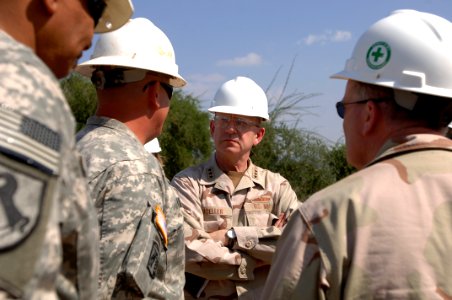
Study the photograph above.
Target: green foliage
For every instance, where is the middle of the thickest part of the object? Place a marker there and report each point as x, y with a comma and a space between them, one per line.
185, 139
302, 158
338, 162
81, 96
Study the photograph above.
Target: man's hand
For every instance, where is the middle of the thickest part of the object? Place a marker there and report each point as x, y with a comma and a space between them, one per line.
281, 221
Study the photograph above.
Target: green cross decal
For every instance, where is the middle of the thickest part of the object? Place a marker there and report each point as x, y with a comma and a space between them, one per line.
378, 55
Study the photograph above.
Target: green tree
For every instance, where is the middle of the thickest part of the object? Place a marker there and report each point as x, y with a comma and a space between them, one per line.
338, 162
81, 96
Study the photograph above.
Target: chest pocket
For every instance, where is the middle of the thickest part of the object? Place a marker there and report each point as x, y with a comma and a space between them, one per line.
217, 217
258, 210
146, 258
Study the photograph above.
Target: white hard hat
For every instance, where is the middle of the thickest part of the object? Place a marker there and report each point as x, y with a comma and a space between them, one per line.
408, 51
115, 14
153, 146
139, 44
241, 96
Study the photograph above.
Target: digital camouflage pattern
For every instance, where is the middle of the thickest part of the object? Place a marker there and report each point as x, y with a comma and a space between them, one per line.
127, 184
381, 233
48, 229
210, 203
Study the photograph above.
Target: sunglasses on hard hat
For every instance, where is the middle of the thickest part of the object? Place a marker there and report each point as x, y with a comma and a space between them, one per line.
168, 88
96, 9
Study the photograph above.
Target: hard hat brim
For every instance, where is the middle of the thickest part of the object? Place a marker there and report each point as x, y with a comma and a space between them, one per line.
86, 68
237, 111
421, 89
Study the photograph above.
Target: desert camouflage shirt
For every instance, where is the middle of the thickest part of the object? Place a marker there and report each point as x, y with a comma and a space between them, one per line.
381, 233
48, 229
128, 186
210, 203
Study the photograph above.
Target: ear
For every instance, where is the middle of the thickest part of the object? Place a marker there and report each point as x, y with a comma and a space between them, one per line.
51, 5
153, 103
259, 136
371, 117
212, 128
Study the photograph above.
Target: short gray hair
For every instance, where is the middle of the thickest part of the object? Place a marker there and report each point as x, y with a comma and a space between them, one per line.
430, 111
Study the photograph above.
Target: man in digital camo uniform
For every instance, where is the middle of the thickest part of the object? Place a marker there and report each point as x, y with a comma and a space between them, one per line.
142, 255
234, 210
385, 231
48, 229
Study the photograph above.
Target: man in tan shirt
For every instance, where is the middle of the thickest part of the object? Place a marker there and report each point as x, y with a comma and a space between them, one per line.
384, 231
234, 211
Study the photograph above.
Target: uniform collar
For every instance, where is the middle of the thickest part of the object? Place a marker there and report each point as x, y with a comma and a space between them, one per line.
114, 124
411, 143
213, 175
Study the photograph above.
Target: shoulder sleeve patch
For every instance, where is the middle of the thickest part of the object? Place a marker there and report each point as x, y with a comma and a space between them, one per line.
29, 141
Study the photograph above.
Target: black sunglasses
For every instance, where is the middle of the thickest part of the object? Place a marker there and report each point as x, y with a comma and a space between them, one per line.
96, 9
340, 106
168, 88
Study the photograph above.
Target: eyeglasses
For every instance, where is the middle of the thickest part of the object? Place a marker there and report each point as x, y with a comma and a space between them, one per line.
96, 9
340, 106
240, 124
168, 88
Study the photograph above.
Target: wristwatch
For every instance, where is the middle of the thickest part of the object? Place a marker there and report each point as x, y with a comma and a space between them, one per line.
231, 237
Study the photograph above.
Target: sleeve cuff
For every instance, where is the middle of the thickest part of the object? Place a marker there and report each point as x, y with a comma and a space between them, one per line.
247, 237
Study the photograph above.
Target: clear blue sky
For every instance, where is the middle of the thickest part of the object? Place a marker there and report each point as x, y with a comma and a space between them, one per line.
215, 41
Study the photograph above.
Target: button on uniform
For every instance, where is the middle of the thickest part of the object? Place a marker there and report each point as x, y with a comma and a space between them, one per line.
249, 244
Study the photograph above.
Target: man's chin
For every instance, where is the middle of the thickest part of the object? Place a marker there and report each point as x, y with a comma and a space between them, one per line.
229, 150
60, 74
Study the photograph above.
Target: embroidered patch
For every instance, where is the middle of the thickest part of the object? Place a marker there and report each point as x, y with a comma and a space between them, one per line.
153, 260
214, 211
21, 200
160, 222
29, 141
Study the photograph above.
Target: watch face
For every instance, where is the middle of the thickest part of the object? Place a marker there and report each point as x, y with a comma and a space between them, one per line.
231, 233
